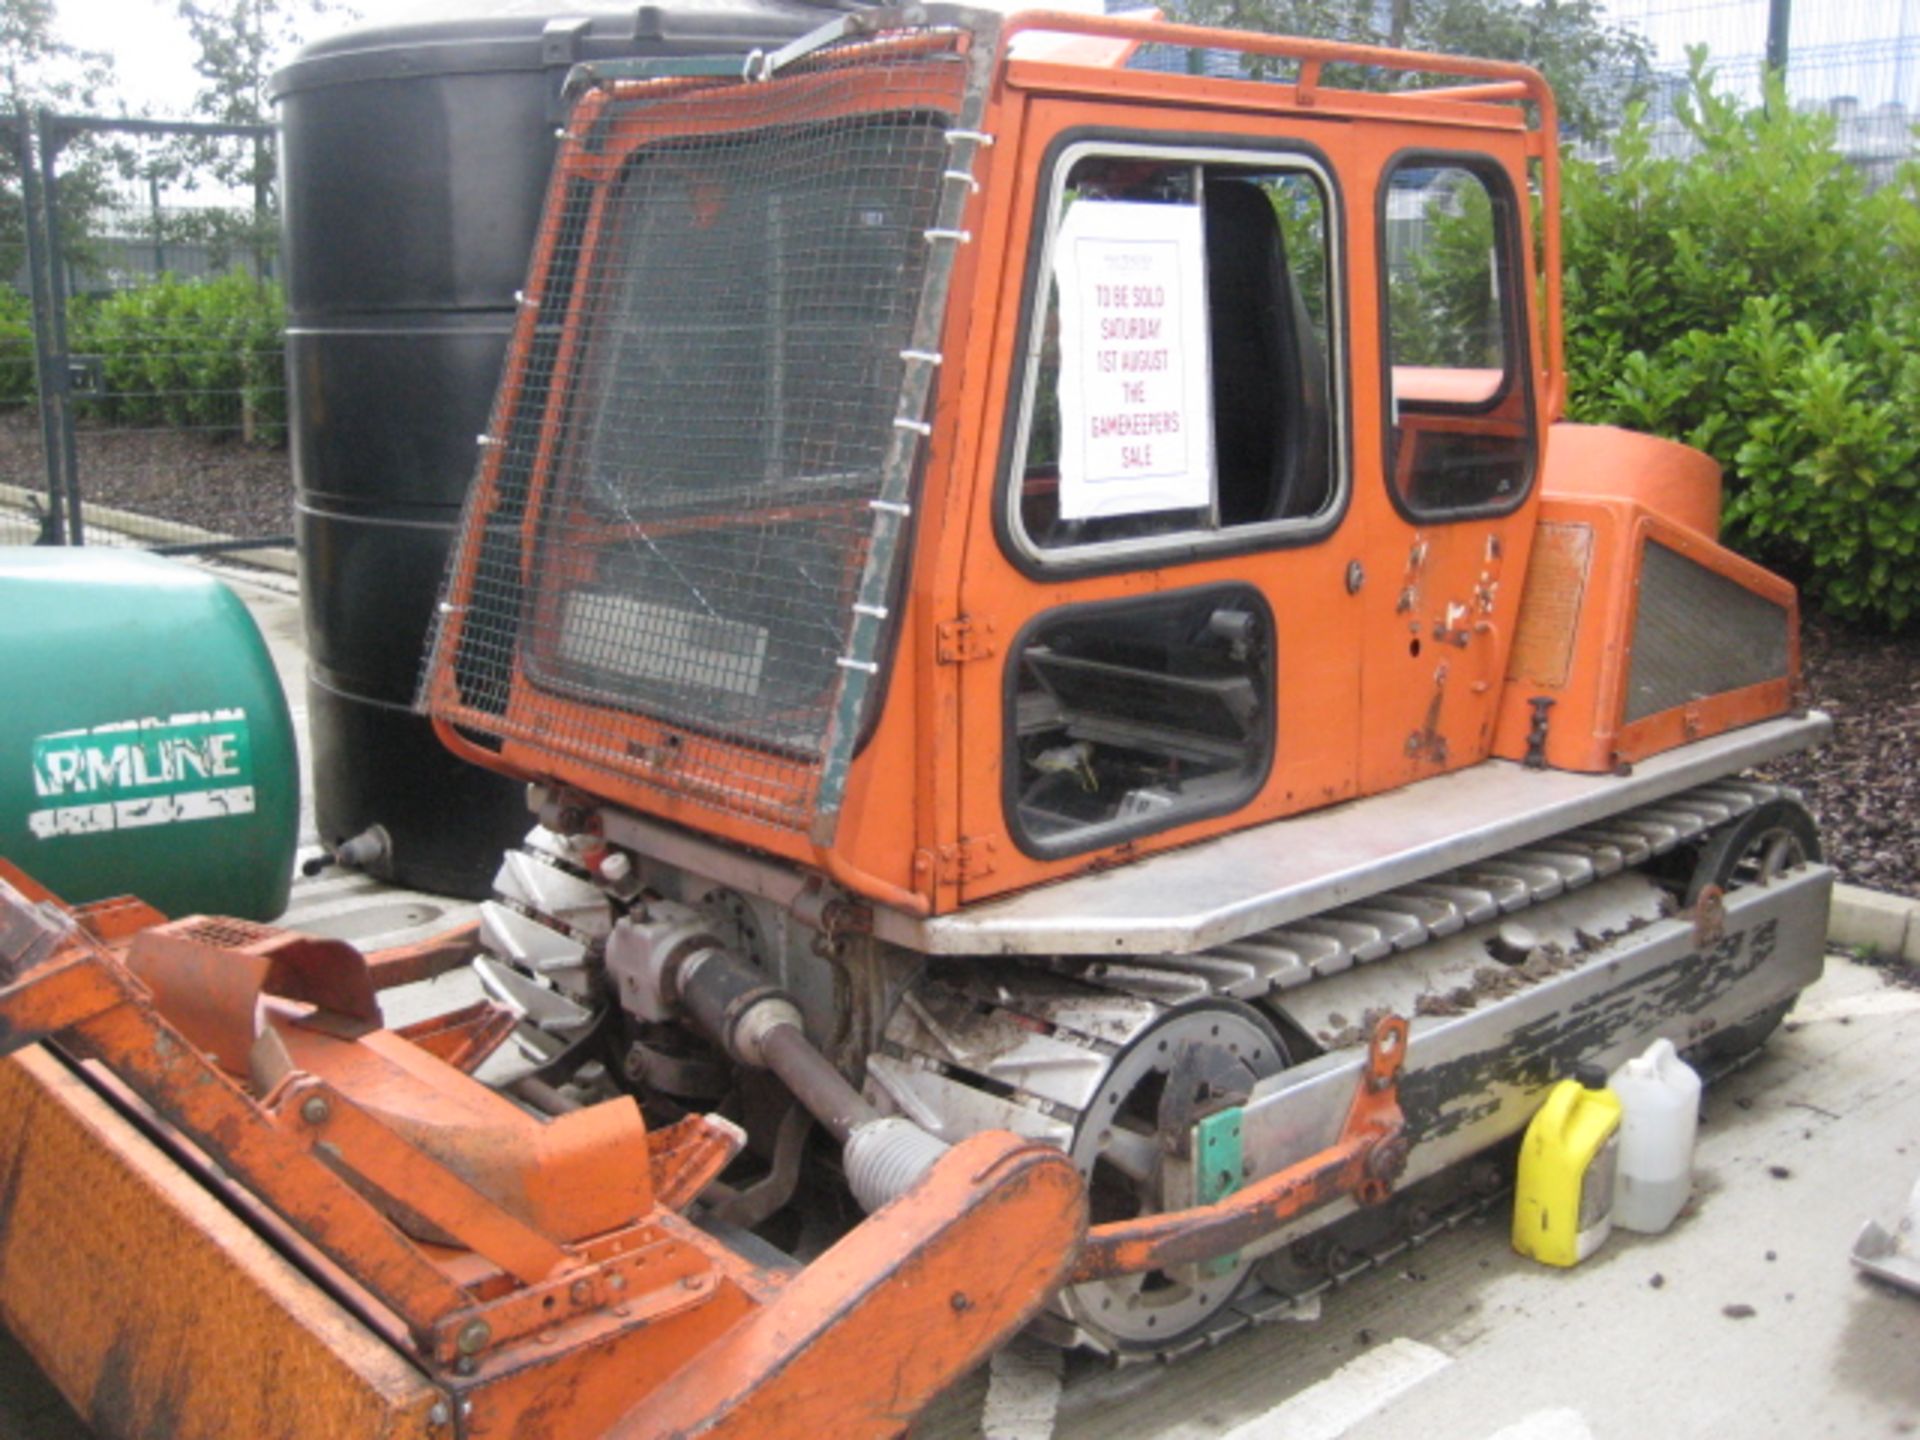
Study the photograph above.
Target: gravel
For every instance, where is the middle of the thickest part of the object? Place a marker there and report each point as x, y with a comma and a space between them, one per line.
219, 483
1864, 788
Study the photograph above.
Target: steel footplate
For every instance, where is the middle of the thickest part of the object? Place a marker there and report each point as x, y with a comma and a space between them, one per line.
1379, 926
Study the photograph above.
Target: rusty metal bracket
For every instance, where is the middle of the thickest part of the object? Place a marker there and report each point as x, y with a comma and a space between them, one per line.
1364, 1162
1709, 916
971, 859
958, 641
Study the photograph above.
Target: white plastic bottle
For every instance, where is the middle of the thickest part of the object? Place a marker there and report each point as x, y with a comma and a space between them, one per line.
1659, 1118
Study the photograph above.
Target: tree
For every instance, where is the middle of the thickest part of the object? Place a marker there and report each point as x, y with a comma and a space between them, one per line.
1594, 67
240, 42
39, 70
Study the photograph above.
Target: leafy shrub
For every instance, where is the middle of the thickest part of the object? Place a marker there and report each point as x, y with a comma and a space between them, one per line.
191, 354
16, 347
1758, 301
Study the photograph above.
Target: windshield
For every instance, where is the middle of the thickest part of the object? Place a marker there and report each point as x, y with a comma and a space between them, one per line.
738, 375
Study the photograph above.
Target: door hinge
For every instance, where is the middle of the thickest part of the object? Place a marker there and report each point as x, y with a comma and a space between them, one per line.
965, 862
959, 641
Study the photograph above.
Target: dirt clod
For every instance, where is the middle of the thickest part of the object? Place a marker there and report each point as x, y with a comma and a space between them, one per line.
1657, 1281
1779, 1172
1738, 1312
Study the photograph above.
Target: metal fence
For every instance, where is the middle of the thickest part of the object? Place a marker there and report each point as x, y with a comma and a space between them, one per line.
1856, 60
142, 384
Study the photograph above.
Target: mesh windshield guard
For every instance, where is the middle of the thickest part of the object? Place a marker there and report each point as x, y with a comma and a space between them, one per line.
678, 561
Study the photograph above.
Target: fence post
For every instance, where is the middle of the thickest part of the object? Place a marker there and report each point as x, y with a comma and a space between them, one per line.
51, 138
49, 367
1779, 27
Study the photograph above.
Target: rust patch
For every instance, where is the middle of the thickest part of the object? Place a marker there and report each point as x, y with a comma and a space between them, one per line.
1427, 743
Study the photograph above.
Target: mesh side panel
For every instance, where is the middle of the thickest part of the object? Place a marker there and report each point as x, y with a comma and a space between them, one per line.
1698, 633
659, 571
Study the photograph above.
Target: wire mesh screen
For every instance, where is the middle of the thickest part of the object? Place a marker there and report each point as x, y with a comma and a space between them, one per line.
663, 566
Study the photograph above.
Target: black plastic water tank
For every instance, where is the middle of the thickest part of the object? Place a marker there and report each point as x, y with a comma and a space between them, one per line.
414, 159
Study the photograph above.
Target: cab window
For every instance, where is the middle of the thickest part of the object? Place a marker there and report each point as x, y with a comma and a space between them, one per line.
1459, 406
1178, 384
1132, 716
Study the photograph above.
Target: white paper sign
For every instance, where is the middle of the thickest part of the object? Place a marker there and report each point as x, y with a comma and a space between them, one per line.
1135, 386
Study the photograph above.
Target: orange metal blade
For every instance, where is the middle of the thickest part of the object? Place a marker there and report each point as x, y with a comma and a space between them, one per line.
151, 1307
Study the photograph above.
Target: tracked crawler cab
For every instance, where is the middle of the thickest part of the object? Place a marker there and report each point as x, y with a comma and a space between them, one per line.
1077, 572
1039, 586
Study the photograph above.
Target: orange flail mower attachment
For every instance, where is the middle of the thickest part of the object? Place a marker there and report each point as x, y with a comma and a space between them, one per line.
531, 1273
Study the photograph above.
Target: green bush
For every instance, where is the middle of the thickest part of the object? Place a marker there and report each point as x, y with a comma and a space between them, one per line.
191, 354
16, 347
1758, 301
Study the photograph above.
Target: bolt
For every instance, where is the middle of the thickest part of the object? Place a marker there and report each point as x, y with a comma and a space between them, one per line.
616, 867
617, 1283
473, 1337
316, 1111
960, 1302
439, 1414
580, 1293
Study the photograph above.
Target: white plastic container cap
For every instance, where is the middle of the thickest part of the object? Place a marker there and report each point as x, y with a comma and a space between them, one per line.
1659, 1121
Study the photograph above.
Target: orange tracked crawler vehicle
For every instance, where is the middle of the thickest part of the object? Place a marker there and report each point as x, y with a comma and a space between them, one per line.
1075, 686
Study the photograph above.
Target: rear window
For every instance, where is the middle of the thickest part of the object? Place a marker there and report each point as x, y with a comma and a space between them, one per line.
1459, 404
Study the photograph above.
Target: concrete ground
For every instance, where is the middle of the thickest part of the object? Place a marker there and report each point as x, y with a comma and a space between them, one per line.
1745, 1318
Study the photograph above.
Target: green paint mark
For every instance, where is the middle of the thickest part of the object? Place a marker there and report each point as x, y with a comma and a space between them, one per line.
1219, 1169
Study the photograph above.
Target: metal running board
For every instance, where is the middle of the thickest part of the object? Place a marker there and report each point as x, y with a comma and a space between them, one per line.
1287, 956
1251, 883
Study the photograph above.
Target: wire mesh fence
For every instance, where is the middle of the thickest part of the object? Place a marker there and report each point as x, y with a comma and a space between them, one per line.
1855, 60
142, 389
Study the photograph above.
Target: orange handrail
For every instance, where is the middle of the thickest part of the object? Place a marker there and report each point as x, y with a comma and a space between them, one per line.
1501, 81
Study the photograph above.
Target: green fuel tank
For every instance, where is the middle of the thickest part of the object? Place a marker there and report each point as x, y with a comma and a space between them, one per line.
145, 744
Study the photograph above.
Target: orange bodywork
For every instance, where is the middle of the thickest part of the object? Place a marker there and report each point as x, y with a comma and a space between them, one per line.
1606, 496
1395, 635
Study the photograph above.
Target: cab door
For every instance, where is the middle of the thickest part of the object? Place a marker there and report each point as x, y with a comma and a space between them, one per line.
1165, 557
1457, 450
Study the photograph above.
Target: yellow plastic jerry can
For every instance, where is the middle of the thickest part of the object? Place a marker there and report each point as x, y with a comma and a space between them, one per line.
1563, 1198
